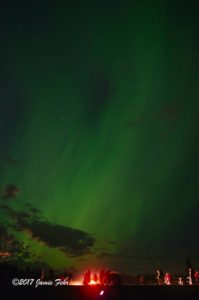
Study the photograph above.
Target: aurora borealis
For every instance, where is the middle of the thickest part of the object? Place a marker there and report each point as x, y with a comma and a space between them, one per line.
99, 130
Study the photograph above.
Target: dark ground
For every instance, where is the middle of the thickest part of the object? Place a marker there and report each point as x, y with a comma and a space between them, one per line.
93, 292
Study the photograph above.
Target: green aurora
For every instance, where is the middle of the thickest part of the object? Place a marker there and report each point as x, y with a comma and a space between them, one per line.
99, 108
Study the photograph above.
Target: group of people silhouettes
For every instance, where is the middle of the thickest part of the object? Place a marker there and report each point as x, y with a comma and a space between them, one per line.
105, 277
193, 277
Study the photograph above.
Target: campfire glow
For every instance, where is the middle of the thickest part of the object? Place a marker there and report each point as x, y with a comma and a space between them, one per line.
76, 282
92, 282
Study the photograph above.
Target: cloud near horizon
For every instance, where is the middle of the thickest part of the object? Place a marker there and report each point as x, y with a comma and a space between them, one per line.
72, 242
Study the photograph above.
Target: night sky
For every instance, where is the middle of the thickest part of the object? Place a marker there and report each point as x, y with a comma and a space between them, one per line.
99, 133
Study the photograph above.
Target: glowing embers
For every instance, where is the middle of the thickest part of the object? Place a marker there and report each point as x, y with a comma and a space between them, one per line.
93, 282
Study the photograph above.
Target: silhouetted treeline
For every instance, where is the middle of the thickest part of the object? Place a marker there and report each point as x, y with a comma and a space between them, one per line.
9, 271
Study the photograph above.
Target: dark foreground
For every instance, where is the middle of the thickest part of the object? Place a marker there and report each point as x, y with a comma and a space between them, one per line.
107, 293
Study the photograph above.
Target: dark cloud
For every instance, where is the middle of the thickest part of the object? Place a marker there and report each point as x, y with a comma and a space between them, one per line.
10, 191
26, 213
72, 242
